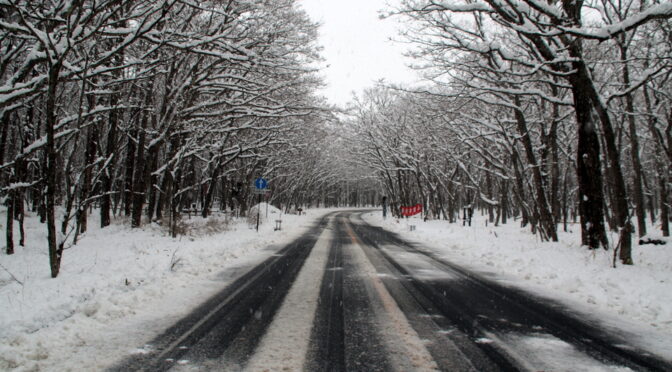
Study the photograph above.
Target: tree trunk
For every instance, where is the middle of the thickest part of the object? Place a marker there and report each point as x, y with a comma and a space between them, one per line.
162, 199
90, 158
546, 221
224, 195
209, 195
662, 170
565, 204
4, 122
152, 180
520, 188
504, 201
617, 181
651, 199
609, 195
552, 140
138, 197
21, 213
19, 197
490, 187
10, 222
55, 252
634, 150
5, 125
106, 177
664, 206
175, 201
130, 168
589, 175
423, 198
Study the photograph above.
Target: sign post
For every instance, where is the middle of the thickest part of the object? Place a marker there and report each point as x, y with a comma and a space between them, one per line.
260, 184
411, 211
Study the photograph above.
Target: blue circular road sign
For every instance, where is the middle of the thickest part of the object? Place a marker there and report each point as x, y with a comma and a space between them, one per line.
260, 183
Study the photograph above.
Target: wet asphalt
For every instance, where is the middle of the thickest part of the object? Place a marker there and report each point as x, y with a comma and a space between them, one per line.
465, 320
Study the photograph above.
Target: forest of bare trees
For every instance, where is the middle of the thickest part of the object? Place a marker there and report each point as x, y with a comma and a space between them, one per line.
143, 109
550, 111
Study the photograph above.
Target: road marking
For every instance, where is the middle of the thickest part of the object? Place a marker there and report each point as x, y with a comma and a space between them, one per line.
285, 344
407, 349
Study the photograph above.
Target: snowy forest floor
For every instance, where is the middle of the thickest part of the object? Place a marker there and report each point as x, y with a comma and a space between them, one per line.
119, 287
636, 299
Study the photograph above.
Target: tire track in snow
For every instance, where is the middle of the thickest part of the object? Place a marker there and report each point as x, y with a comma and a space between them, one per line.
485, 310
327, 349
222, 333
406, 350
451, 349
285, 344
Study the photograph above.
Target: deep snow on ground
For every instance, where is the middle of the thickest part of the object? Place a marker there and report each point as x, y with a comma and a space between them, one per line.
119, 287
637, 299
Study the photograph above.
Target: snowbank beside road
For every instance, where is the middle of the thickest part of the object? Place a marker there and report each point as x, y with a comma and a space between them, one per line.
118, 287
635, 298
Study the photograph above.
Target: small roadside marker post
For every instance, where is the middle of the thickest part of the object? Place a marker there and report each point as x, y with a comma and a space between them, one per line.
260, 184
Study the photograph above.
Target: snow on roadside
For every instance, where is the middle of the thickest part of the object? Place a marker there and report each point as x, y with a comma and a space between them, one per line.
119, 287
637, 299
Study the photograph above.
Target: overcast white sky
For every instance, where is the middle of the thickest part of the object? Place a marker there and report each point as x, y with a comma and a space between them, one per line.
357, 48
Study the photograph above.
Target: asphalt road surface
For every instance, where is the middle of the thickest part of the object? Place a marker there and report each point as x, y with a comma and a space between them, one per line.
347, 296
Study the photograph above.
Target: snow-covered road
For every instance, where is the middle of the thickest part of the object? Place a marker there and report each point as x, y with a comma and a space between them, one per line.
350, 296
